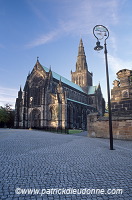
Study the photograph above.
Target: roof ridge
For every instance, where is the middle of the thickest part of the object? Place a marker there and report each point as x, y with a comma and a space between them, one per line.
77, 87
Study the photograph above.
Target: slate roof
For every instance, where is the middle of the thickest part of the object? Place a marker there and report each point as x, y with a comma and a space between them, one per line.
91, 89
79, 102
64, 80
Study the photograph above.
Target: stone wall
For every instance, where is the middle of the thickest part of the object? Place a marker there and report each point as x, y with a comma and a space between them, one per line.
99, 127
121, 108
121, 94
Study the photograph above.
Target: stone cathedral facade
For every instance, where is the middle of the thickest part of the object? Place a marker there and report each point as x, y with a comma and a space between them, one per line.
50, 100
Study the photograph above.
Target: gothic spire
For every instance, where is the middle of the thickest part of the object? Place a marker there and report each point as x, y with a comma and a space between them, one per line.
50, 69
60, 81
81, 59
81, 48
99, 85
37, 59
20, 93
82, 76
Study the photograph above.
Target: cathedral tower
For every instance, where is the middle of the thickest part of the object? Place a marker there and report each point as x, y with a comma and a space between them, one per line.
82, 76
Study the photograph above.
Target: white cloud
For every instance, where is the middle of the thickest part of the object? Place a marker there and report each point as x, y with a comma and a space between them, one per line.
8, 95
9, 91
43, 39
116, 63
39, 13
79, 18
113, 42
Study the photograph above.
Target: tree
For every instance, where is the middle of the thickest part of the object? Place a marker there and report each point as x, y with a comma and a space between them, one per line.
6, 116
3, 117
106, 114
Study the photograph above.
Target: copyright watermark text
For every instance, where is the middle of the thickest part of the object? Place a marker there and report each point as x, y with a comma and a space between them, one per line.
61, 191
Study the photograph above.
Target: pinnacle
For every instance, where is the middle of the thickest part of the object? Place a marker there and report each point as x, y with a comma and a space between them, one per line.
81, 42
81, 48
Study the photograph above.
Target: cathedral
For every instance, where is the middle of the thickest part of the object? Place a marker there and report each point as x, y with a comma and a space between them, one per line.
50, 100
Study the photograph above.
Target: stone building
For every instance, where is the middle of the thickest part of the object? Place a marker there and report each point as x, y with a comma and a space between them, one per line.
121, 94
121, 104
50, 100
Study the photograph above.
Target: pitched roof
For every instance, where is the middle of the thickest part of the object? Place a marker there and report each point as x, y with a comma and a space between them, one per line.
92, 89
79, 102
64, 80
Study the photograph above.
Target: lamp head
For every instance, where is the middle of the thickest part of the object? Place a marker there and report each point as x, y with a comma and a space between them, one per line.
98, 47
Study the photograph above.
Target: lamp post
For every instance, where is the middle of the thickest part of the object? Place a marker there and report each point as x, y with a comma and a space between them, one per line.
101, 32
31, 100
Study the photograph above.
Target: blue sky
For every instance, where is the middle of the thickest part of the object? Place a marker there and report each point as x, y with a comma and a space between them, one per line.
51, 29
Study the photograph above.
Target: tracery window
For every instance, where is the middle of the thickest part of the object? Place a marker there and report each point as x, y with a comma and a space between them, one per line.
36, 94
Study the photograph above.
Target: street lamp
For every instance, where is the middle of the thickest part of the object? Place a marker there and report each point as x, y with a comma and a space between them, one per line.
31, 100
101, 32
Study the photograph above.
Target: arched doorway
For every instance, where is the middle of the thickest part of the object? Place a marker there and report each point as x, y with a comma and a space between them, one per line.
35, 118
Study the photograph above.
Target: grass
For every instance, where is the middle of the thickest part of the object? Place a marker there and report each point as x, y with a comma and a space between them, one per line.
72, 131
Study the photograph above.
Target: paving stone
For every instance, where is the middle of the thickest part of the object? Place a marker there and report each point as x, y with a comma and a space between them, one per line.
41, 160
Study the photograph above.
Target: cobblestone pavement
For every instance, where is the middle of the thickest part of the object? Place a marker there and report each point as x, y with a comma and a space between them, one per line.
40, 160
